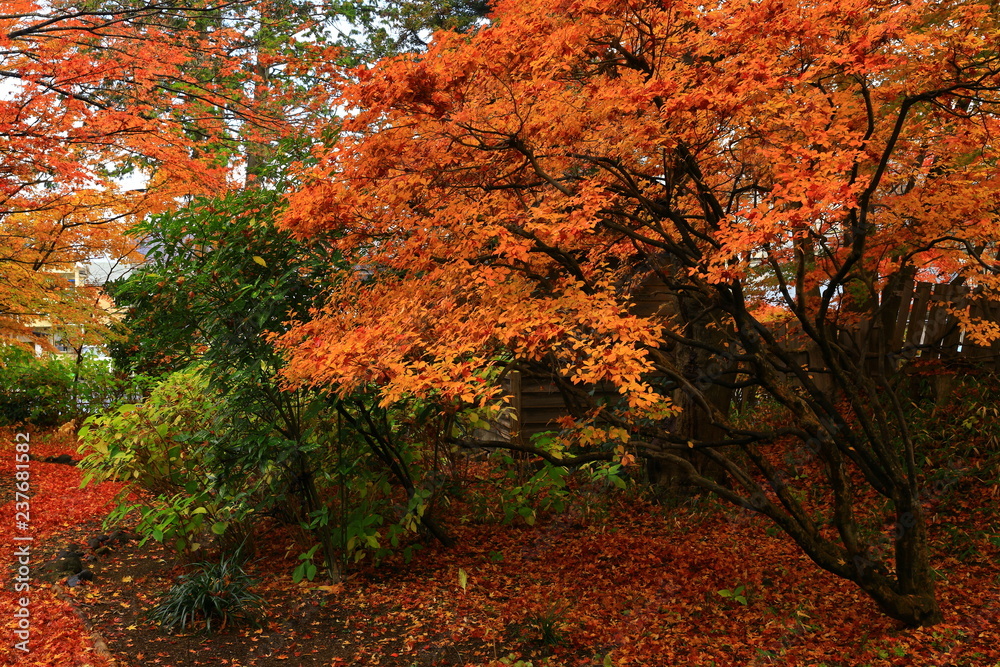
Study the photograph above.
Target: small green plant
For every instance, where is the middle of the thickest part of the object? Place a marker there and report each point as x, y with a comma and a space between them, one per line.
306, 569
885, 653
739, 594
213, 593
545, 490
550, 623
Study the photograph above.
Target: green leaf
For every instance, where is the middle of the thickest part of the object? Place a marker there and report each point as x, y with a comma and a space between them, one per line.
219, 527
463, 578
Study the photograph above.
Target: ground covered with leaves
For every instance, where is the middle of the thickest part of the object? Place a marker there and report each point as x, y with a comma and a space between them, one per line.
613, 580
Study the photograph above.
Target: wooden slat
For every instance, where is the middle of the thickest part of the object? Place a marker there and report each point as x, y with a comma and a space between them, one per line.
653, 298
949, 346
918, 315
971, 351
534, 421
902, 314
937, 318
536, 401
516, 398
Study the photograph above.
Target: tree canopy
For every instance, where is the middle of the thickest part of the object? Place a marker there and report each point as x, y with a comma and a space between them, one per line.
546, 165
113, 111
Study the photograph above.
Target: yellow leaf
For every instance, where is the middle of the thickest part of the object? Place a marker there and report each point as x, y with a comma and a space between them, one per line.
463, 578
126, 580
335, 588
259, 260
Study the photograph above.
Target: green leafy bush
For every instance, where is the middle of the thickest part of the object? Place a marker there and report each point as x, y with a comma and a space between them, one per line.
160, 446
37, 390
212, 593
51, 390
146, 442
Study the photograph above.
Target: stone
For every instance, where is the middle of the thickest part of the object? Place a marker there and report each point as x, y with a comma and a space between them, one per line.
119, 537
71, 564
71, 551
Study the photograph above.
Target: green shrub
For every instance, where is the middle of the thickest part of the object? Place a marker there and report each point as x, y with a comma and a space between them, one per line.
51, 390
212, 593
151, 442
36, 390
161, 446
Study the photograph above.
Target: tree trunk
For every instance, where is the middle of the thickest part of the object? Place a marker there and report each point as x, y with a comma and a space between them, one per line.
907, 594
912, 599
312, 503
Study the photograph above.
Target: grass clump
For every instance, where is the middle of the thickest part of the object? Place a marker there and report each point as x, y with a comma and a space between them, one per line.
213, 593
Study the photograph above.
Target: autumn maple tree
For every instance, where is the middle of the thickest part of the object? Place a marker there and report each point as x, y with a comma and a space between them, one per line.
770, 166
113, 111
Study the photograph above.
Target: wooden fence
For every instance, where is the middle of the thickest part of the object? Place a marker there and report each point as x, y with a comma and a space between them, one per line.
915, 321
921, 323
